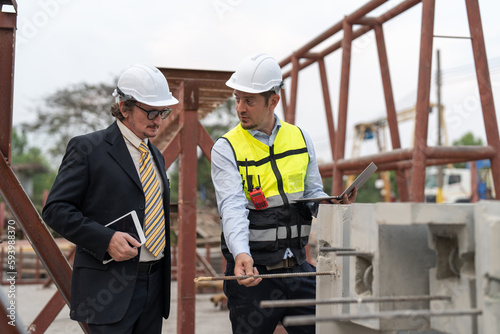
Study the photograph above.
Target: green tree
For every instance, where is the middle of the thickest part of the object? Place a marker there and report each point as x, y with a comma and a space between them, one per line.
78, 109
34, 162
467, 139
367, 194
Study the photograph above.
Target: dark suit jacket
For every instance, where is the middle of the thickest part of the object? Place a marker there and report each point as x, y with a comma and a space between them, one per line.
97, 183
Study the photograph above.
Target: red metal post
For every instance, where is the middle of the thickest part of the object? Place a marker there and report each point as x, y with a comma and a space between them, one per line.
392, 119
338, 184
474, 195
485, 91
188, 162
328, 103
205, 142
2, 216
8, 23
284, 102
48, 314
35, 230
290, 112
423, 99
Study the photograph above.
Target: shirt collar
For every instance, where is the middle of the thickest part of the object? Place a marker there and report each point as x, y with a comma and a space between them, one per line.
277, 126
130, 135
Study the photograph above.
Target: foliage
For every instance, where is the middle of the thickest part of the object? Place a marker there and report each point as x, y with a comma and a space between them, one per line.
467, 139
71, 111
22, 153
367, 194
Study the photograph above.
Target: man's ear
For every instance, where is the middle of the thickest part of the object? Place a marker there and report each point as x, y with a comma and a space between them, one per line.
122, 109
273, 101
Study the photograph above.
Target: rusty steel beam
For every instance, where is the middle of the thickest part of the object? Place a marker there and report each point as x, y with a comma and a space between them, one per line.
461, 152
180, 74
473, 182
423, 99
174, 147
50, 311
35, 230
485, 91
401, 159
188, 162
205, 142
340, 135
48, 314
284, 104
8, 25
328, 103
392, 119
333, 30
290, 111
390, 14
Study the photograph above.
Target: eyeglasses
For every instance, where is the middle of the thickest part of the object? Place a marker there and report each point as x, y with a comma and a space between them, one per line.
152, 114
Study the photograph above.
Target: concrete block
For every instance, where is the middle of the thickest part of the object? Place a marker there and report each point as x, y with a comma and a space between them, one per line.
487, 236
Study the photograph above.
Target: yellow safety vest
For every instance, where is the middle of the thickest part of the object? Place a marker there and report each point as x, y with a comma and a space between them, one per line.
279, 170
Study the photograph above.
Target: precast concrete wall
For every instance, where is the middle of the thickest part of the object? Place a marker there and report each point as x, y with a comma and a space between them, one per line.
424, 267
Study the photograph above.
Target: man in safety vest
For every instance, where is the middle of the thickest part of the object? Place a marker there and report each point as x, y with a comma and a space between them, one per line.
259, 169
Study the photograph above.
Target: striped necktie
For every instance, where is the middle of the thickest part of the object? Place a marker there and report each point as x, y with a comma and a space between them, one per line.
154, 218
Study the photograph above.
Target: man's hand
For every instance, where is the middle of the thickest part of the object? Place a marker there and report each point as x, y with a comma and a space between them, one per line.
344, 200
244, 267
123, 246
351, 198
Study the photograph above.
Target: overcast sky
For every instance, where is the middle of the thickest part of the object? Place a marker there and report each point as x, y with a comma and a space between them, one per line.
65, 42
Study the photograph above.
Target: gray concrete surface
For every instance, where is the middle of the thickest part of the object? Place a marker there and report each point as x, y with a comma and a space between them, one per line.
30, 299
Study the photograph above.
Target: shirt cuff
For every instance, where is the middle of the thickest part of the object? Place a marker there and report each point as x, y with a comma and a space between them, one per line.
239, 250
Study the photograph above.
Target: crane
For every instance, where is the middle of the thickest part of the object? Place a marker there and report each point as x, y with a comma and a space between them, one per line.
377, 129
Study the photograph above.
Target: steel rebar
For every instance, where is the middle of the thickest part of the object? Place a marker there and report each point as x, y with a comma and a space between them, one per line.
283, 275
310, 320
335, 249
311, 302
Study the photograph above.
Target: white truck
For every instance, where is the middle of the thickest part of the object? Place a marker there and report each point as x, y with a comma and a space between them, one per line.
456, 185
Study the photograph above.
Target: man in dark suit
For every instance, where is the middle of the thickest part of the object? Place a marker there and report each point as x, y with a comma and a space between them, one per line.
103, 176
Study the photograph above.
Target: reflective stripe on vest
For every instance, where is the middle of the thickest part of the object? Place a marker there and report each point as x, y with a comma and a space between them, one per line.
270, 234
279, 169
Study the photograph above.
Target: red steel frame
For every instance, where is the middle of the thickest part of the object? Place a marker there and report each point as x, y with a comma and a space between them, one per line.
191, 134
403, 161
196, 91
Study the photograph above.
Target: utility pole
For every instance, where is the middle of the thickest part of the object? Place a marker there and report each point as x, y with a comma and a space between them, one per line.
439, 195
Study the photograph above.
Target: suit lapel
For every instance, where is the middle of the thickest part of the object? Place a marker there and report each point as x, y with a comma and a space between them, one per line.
120, 153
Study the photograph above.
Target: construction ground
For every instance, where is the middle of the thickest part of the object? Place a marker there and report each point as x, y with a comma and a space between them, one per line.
32, 298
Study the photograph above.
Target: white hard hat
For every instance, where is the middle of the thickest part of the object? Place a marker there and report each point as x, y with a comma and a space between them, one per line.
145, 84
257, 73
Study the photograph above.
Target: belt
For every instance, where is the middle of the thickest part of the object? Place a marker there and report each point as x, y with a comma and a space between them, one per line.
289, 262
148, 267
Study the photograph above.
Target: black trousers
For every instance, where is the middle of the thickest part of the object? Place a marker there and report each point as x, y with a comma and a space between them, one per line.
243, 303
144, 314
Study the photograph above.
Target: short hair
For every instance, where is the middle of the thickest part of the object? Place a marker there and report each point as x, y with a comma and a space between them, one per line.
267, 95
115, 109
